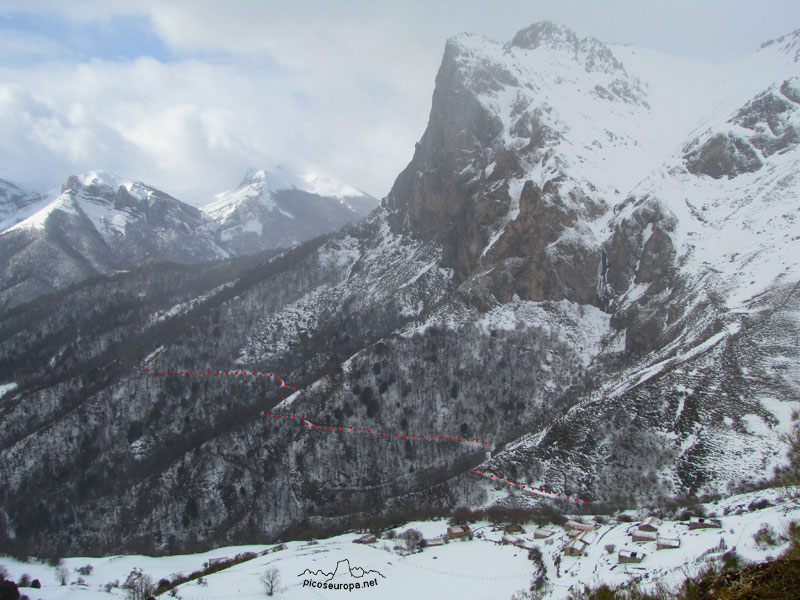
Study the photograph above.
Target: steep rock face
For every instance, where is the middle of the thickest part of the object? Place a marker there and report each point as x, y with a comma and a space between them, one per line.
488, 181
559, 264
767, 124
722, 156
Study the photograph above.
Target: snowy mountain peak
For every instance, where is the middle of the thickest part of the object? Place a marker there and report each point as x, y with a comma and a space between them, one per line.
281, 206
283, 177
101, 178
544, 33
108, 183
254, 176
590, 52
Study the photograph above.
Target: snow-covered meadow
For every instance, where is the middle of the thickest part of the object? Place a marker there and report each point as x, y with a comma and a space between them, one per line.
481, 568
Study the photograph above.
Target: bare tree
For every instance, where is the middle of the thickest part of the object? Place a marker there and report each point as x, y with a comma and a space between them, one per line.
413, 538
270, 579
62, 574
138, 585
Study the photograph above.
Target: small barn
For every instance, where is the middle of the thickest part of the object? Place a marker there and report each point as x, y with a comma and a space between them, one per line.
630, 556
455, 532
578, 526
218, 561
650, 524
704, 523
437, 541
576, 547
663, 543
643, 536
542, 533
367, 538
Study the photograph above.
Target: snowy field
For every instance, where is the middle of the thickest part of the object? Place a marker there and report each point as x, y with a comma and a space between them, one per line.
479, 568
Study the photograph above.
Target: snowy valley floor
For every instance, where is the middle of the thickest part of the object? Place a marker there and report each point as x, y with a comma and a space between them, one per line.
481, 568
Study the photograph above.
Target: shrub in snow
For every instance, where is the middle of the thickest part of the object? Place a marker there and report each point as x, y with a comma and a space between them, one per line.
535, 554
85, 570
163, 585
610, 548
731, 561
759, 504
765, 536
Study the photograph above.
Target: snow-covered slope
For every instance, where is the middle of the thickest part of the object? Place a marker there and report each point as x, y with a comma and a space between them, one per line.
484, 567
281, 208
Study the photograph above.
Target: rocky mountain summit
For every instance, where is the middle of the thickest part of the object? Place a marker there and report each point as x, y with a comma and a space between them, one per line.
591, 263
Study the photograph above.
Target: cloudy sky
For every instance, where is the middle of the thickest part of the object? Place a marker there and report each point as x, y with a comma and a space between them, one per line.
186, 95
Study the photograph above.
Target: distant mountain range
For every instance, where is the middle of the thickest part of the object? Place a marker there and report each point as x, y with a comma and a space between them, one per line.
99, 223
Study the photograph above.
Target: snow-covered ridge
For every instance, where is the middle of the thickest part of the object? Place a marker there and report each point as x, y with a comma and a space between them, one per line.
79, 194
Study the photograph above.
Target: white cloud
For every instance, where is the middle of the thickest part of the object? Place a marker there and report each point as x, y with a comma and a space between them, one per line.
344, 85
347, 99
192, 127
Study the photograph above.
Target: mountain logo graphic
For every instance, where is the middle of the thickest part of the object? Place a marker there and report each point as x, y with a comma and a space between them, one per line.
342, 570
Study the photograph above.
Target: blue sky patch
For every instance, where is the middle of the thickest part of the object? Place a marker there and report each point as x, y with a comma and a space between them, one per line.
122, 37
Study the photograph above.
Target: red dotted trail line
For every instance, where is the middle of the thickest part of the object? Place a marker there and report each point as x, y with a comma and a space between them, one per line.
526, 487
310, 425
378, 432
